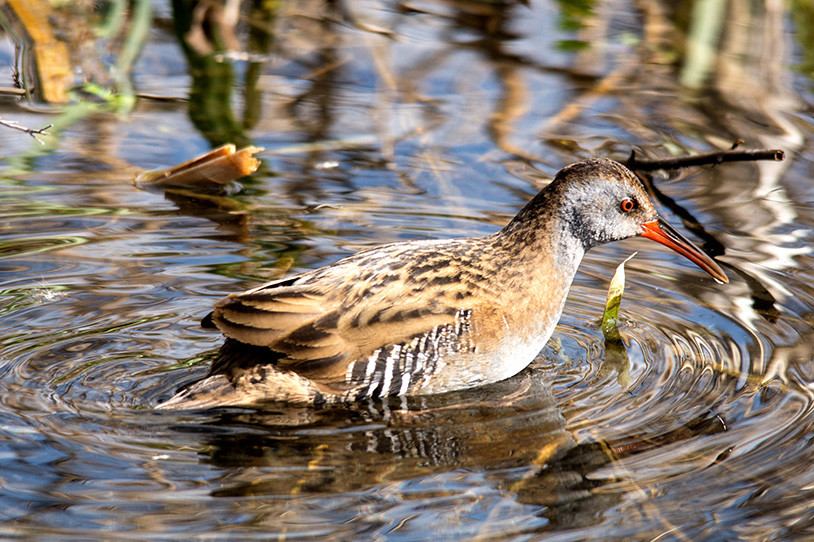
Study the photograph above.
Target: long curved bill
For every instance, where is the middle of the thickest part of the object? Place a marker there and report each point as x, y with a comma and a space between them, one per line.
661, 232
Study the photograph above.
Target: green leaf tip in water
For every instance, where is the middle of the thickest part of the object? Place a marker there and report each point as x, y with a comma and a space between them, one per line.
615, 352
615, 292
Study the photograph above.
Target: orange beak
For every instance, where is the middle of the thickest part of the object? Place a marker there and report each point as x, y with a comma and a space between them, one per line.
661, 232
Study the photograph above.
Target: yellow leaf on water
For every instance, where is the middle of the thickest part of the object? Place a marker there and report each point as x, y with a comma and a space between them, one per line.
615, 352
615, 292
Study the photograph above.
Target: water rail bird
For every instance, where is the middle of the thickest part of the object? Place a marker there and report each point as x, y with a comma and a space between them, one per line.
430, 316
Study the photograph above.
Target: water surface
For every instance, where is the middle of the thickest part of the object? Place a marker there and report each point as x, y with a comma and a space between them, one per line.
415, 120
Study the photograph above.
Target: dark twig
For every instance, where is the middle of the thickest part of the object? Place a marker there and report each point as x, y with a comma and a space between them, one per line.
30, 131
704, 159
710, 245
763, 301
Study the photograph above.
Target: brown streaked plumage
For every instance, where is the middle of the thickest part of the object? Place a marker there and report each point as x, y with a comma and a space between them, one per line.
427, 316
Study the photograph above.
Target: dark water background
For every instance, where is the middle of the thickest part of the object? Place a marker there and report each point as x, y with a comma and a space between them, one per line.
386, 121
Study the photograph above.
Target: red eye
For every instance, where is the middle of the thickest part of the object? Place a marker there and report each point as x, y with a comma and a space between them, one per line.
628, 205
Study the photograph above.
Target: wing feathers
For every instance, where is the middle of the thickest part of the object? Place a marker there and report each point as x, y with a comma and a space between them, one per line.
287, 303
263, 319
319, 331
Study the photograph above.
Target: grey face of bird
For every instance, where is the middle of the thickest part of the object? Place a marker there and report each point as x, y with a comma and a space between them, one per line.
614, 206
605, 210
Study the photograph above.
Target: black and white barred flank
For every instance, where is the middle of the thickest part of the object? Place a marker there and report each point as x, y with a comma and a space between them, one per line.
408, 366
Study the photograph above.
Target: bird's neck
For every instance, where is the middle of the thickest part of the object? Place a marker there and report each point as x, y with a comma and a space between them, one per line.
538, 257
541, 239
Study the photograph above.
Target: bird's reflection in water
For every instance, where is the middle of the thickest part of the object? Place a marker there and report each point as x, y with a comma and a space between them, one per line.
513, 429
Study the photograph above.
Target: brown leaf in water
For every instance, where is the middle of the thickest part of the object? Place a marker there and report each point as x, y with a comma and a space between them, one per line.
215, 168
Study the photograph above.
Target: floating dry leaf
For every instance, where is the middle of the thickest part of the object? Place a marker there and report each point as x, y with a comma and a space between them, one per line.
213, 169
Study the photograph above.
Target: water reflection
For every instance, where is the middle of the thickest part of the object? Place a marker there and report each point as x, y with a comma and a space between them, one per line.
387, 121
512, 432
